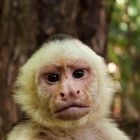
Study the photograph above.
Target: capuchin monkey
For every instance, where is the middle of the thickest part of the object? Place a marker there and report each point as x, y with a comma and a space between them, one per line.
65, 90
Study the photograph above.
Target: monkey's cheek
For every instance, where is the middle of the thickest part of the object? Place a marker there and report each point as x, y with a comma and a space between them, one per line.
72, 113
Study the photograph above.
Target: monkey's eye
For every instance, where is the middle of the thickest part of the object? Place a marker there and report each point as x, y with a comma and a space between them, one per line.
78, 73
53, 77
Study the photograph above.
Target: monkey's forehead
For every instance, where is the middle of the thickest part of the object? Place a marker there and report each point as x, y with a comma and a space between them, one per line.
65, 65
66, 50
63, 52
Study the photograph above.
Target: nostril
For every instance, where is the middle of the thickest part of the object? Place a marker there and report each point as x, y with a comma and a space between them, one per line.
62, 95
78, 91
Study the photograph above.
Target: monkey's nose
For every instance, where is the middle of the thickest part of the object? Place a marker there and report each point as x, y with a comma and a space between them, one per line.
62, 95
66, 96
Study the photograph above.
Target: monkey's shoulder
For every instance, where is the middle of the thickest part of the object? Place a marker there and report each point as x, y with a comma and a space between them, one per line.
109, 130
24, 131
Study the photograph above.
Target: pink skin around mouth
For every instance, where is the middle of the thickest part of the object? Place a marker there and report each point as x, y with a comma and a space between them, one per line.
72, 112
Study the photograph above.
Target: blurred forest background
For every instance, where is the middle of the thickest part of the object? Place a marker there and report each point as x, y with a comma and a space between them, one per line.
110, 27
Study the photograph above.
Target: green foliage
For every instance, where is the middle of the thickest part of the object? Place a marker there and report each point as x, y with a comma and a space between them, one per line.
124, 45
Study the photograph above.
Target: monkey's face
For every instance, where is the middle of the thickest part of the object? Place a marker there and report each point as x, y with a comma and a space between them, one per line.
65, 84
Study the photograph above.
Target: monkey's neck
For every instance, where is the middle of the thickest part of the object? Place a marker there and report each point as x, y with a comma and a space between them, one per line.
58, 133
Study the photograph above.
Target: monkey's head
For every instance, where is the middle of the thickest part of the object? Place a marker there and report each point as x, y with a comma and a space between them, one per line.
64, 84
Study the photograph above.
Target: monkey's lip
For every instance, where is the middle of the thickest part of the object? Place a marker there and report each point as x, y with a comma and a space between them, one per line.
72, 112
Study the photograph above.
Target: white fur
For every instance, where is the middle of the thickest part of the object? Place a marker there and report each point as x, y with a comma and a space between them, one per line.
27, 96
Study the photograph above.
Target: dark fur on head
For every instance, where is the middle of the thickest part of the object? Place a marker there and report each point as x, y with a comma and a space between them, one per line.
59, 37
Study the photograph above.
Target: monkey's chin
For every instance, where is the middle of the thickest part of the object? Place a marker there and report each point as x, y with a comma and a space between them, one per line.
72, 113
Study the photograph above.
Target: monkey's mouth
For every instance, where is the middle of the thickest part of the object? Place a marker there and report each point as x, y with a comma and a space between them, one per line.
72, 112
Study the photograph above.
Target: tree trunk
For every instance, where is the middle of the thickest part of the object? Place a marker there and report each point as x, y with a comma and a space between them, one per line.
27, 24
